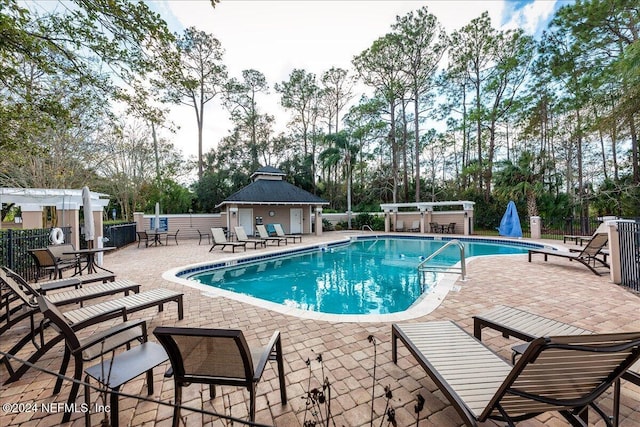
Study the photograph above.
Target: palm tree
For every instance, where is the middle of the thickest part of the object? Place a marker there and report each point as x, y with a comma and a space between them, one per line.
524, 178
341, 151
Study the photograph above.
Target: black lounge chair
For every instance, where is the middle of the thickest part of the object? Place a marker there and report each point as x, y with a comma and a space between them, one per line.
218, 356
85, 316
528, 326
90, 348
482, 386
589, 256
219, 239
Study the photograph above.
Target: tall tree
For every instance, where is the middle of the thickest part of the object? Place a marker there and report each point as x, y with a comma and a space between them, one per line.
423, 42
337, 88
240, 100
194, 75
301, 95
380, 66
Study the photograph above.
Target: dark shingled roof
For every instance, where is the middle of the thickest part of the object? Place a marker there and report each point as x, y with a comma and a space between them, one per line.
273, 191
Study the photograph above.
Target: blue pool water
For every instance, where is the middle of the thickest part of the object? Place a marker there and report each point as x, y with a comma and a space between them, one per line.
375, 276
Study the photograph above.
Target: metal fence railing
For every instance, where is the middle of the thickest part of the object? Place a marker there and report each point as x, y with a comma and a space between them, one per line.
629, 237
554, 228
119, 235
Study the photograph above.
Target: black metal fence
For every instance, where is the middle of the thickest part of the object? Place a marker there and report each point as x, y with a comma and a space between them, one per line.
554, 228
629, 236
15, 244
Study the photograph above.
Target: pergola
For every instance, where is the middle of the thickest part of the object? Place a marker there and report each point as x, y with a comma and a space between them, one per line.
32, 201
427, 214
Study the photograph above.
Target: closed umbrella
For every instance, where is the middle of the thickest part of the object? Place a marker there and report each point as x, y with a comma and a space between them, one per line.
510, 224
89, 228
157, 224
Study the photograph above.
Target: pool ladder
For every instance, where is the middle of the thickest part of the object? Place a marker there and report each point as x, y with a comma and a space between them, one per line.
423, 268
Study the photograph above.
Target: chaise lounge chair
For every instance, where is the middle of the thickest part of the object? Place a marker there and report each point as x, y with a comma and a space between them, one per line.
528, 326
264, 235
415, 226
85, 316
588, 256
218, 356
399, 226
90, 348
280, 233
241, 235
481, 385
219, 239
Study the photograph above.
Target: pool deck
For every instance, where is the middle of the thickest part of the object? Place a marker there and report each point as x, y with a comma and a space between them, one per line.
558, 289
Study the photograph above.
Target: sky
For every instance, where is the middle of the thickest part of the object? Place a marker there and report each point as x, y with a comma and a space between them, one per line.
275, 37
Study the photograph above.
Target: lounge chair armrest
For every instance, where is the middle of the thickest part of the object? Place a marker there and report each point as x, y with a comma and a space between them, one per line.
266, 355
107, 315
115, 330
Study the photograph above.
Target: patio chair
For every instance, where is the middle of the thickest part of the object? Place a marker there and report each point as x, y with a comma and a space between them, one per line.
143, 236
481, 385
280, 233
84, 316
218, 357
201, 235
219, 239
399, 226
588, 256
451, 228
241, 235
415, 226
528, 326
89, 348
264, 235
435, 227
46, 261
172, 235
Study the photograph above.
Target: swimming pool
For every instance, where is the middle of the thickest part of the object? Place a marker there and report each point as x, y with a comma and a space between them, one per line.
366, 276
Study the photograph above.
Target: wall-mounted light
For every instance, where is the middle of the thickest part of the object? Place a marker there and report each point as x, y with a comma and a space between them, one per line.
465, 214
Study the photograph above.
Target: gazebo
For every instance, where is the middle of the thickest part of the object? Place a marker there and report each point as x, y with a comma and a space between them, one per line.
269, 199
32, 202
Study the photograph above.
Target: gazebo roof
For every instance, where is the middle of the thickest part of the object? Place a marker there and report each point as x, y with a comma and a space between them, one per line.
269, 188
273, 192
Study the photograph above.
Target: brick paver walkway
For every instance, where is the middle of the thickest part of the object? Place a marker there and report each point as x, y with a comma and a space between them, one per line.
557, 289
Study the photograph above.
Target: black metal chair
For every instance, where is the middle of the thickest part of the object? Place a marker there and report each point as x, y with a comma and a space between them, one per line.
201, 235
143, 236
218, 356
174, 235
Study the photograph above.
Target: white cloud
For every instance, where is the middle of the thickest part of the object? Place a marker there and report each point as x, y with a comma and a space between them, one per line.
274, 37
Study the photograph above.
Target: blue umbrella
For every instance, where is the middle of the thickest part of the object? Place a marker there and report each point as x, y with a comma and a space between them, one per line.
510, 224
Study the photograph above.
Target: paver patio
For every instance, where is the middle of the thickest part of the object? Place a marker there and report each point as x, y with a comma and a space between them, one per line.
557, 289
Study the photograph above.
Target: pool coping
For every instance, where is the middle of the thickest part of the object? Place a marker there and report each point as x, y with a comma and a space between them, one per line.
425, 304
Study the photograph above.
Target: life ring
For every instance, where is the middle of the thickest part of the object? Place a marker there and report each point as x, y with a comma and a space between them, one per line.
56, 236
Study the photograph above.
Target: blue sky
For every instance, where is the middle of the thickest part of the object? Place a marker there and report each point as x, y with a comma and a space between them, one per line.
274, 37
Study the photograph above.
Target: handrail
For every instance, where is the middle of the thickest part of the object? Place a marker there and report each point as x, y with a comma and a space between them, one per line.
463, 267
367, 227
